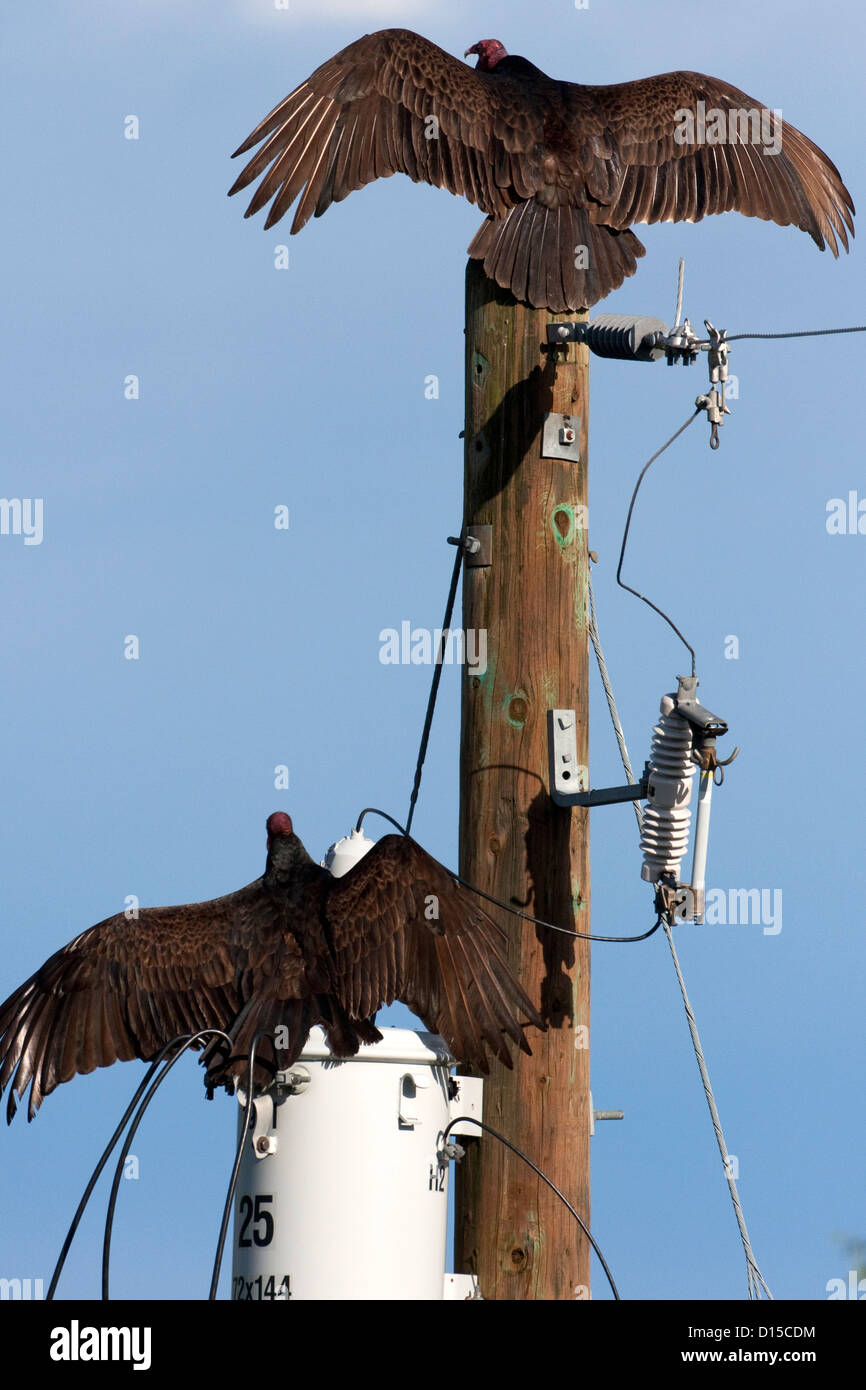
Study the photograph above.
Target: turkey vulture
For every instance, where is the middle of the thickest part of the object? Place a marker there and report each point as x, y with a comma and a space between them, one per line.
561, 170
295, 948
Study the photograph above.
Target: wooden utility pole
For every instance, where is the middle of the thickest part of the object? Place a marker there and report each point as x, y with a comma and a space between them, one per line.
531, 600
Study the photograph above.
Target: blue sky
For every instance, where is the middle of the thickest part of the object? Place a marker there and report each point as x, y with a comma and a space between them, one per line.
260, 647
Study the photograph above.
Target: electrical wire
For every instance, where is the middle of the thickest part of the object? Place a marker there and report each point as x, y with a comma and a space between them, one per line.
460, 1119
684, 426
186, 1041
437, 676
509, 907
805, 333
374, 811
94, 1178
551, 926
233, 1181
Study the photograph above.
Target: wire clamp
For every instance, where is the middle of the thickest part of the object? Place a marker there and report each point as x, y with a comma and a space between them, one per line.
714, 401
451, 1151
668, 897
714, 404
681, 344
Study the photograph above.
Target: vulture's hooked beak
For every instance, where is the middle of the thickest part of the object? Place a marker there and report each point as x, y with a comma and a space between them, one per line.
473, 49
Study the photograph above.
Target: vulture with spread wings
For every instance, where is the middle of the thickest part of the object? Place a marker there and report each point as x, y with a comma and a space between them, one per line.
561, 170
296, 948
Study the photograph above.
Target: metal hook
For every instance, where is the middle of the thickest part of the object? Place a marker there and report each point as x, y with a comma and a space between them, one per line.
719, 765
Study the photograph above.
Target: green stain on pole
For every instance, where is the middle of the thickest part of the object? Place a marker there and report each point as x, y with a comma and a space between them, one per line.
577, 900
480, 369
516, 709
563, 523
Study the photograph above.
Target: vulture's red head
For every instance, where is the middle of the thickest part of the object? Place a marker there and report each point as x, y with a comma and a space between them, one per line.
278, 824
489, 53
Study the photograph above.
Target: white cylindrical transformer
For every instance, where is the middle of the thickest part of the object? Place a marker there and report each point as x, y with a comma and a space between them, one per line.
340, 1193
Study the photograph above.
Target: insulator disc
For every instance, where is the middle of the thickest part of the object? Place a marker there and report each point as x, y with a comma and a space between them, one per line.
622, 335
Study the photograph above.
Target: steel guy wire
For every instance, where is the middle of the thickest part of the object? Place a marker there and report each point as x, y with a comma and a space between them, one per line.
756, 1280
755, 1277
608, 690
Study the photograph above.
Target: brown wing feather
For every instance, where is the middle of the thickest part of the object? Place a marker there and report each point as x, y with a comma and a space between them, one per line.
404, 929
365, 114
124, 989
632, 163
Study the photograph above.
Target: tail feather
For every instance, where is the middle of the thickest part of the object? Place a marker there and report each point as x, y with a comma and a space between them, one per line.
555, 258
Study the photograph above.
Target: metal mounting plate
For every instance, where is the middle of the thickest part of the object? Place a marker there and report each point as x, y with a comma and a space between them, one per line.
468, 1101
567, 775
482, 557
566, 332
561, 437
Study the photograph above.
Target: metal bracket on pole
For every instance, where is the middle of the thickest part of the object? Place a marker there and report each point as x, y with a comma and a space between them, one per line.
468, 1103
595, 1115
569, 778
561, 437
566, 333
477, 543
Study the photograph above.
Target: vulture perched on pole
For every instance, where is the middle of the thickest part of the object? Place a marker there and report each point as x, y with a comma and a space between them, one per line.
561, 170
295, 948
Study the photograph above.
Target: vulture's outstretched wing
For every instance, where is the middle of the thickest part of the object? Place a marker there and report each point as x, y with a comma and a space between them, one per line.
124, 988
404, 929
680, 146
393, 102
